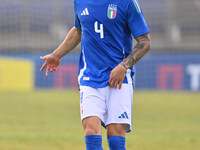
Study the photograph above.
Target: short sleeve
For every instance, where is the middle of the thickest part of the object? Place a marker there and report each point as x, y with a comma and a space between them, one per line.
76, 18
77, 22
135, 19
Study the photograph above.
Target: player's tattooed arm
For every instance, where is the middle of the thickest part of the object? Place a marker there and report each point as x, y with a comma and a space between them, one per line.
118, 73
142, 47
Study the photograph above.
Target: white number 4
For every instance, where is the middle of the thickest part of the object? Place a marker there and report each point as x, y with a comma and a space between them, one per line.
99, 30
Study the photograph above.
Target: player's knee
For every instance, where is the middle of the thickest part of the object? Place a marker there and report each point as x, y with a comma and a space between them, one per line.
92, 126
116, 129
90, 131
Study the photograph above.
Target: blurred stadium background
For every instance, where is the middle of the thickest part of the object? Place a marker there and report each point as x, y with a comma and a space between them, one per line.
31, 28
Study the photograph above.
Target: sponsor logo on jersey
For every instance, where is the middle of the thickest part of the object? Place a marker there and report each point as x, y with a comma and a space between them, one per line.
85, 12
112, 11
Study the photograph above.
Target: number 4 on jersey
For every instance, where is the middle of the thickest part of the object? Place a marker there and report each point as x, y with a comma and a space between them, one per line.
99, 30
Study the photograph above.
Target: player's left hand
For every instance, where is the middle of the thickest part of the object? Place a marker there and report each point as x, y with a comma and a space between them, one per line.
117, 76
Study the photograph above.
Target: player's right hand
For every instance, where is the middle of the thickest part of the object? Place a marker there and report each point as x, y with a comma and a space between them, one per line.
51, 62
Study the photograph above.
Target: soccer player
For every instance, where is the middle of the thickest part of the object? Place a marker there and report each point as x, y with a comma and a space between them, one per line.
105, 29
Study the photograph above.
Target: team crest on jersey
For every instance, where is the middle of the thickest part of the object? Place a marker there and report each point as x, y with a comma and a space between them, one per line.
112, 11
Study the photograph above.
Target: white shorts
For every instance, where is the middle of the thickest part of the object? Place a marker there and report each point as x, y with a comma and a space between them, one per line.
109, 104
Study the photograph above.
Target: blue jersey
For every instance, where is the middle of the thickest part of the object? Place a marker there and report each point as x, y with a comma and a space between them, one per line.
107, 28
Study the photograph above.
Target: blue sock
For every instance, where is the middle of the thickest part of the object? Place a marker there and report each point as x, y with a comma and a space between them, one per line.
116, 142
93, 142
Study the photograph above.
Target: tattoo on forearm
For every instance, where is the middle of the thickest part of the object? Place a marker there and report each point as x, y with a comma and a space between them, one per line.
138, 51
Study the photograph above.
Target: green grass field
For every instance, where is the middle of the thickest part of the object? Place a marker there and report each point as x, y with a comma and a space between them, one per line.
50, 120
